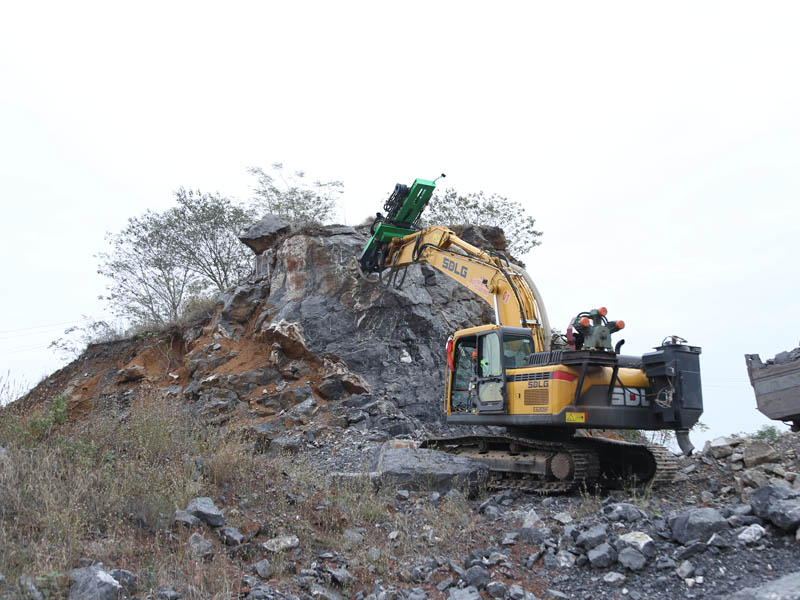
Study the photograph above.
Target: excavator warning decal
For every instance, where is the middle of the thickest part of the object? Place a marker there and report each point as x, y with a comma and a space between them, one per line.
478, 286
575, 417
506, 297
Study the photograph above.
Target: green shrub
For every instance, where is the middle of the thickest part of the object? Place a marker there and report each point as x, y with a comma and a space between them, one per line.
768, 433
56, 414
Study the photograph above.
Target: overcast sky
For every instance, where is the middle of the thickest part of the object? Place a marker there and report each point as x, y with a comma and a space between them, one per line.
657, 145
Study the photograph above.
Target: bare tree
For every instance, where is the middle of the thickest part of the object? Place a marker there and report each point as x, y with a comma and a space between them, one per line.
202, 233
294, 198
161, 262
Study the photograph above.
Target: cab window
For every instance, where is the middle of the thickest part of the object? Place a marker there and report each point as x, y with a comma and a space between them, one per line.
464, 370
491, 365
516, 350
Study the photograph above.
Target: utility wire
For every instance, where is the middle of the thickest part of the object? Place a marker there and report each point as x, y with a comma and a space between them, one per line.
38, 327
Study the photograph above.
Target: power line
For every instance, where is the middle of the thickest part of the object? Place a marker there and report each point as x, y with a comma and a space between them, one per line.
23, 349
32, 334
38, 327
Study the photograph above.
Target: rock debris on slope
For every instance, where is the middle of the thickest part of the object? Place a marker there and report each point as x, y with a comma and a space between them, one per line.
307, 358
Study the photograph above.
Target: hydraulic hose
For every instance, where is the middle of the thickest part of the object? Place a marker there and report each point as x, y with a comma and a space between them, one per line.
546, 331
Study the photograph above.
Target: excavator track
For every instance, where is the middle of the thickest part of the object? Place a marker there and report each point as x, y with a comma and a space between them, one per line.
553, 467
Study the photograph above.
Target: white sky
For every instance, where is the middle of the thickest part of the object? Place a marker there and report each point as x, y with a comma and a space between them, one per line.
657, 145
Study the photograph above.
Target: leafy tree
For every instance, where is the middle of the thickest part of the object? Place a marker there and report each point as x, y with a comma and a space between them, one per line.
203, 236
293, 198
148, 284
161, 262
477, 208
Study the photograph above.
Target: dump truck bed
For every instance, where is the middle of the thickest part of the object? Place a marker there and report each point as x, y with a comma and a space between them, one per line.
777, 388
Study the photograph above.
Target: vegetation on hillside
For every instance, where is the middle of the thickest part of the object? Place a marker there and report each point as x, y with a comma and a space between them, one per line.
108, 488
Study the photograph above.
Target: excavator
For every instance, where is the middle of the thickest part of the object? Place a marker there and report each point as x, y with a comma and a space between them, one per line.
552, 401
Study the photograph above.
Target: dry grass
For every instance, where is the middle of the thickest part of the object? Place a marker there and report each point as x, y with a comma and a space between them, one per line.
11, 389
107, 490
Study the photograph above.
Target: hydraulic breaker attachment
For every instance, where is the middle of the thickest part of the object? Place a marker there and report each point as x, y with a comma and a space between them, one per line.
403, 210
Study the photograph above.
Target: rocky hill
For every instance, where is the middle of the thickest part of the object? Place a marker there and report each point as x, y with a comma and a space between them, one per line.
230, 457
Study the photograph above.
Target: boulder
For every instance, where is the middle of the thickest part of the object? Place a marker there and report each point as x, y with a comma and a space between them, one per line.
592, 537
127, 580
205, 510
262, 435
758, 452
565, 559
199, 547
698, 524
622, 511
239, 304
262, 235
281, 543
476, 576
685, 569
640, 541
497, 590
779, 504
286, 445
631, 558
467, 593
602, 556
131, 373
264, 569
27, 588
720, 447
352, 538
784, 588
751, 534
231, 536
487, 237
317, 593
614, 578
423, 469
754, 478
341, 576
186, 519
93, 583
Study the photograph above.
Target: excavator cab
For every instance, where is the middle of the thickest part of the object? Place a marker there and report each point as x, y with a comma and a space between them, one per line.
479, 358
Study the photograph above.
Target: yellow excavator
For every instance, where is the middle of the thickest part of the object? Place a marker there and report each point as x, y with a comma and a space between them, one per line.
506, 374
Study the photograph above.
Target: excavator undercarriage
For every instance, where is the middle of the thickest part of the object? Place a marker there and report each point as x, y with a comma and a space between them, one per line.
551, 466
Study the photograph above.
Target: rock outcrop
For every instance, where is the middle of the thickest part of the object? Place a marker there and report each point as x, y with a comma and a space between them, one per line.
389, 337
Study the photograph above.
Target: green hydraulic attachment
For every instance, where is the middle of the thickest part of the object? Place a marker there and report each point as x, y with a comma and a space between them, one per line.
403, 210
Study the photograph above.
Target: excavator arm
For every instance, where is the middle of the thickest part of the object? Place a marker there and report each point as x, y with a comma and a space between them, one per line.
499, 283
